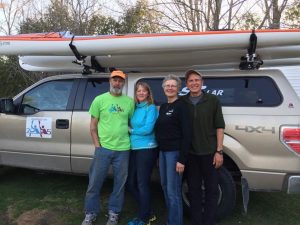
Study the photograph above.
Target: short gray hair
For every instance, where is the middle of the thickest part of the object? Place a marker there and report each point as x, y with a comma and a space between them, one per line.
172, 77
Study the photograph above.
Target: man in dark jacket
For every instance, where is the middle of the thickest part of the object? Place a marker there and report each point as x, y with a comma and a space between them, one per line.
206, 154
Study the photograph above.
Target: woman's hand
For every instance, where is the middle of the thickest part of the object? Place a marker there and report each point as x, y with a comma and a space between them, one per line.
179, 167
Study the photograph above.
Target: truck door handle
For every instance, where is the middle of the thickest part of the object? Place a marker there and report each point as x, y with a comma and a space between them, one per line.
62, 124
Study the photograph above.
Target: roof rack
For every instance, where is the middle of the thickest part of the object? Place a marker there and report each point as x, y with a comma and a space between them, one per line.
80, 60
251, 61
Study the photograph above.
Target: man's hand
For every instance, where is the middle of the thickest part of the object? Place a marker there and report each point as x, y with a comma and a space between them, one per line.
94, 131
218, 160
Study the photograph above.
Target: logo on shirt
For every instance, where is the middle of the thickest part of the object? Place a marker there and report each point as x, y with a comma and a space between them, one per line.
170, 112
115, 108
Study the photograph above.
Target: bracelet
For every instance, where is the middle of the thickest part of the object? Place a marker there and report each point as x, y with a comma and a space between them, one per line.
220, 152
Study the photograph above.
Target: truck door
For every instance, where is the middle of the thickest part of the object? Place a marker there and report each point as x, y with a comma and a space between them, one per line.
82, 148
38, 136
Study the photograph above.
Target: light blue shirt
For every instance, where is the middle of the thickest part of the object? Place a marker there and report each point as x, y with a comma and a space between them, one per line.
142, 124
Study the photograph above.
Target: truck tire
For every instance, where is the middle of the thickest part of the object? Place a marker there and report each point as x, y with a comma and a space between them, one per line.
227, 196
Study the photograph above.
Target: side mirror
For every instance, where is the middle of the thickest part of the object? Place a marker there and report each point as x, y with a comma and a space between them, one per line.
7, 105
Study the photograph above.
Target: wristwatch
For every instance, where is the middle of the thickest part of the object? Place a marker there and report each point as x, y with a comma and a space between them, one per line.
220, 151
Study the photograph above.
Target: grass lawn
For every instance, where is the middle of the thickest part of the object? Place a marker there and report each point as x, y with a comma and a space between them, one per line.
33, 198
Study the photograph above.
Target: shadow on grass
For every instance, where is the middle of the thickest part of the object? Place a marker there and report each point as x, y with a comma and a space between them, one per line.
35, 198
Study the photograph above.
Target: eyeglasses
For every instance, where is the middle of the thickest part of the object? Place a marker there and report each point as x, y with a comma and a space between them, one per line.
170, 86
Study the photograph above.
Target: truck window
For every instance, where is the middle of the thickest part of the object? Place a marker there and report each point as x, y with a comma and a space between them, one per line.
244, 91
232, 91
52, 95
94, 87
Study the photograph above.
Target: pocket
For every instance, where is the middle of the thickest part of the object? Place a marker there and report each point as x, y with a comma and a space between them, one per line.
98, 148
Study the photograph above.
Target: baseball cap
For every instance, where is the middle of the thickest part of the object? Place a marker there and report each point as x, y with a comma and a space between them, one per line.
189, 72
118, 73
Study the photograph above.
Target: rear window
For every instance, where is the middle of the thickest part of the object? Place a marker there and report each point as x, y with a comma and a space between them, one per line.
232, 91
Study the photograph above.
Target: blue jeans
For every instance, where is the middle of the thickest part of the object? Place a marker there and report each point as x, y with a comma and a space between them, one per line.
171, 185
103, 158
138, 182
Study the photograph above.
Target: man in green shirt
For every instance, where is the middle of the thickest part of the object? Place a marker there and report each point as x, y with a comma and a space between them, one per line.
110, 113
206, 154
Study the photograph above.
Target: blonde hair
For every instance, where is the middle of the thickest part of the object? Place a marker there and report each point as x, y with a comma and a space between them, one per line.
148, 89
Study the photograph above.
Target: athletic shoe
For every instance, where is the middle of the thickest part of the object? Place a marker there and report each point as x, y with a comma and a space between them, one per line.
89, 219
112, 218
152, 218
133, 221
136, 221
140, 222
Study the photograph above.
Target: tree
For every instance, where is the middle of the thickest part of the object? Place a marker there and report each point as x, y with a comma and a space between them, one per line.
81, 12
14, 78
55, 19
102, 25
213, 14
140, 18
272, 11
277, 11
62, 16
199, 15
249, 21
292, 15
11, 14
182, 15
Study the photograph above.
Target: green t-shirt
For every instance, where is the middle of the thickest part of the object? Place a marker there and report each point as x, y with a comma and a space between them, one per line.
113, 114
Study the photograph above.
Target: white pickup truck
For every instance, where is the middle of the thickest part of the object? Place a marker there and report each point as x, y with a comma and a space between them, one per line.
46, 126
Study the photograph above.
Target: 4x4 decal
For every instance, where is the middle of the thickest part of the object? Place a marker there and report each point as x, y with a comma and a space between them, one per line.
259, 129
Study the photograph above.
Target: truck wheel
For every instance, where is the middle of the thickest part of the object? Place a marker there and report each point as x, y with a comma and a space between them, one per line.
227, 196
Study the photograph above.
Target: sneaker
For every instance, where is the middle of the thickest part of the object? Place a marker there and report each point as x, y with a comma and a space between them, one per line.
112, 218
137, 221
152, 218
89, 219
140, 222
133, 221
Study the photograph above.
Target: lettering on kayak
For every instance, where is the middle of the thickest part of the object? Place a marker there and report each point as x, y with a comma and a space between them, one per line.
4, 43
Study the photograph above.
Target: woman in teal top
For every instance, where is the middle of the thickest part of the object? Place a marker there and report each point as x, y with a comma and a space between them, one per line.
143, 154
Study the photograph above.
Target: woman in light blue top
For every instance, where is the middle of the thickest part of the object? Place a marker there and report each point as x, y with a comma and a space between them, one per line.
143, 154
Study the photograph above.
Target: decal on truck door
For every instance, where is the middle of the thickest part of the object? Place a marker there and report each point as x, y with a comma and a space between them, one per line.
39, 127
